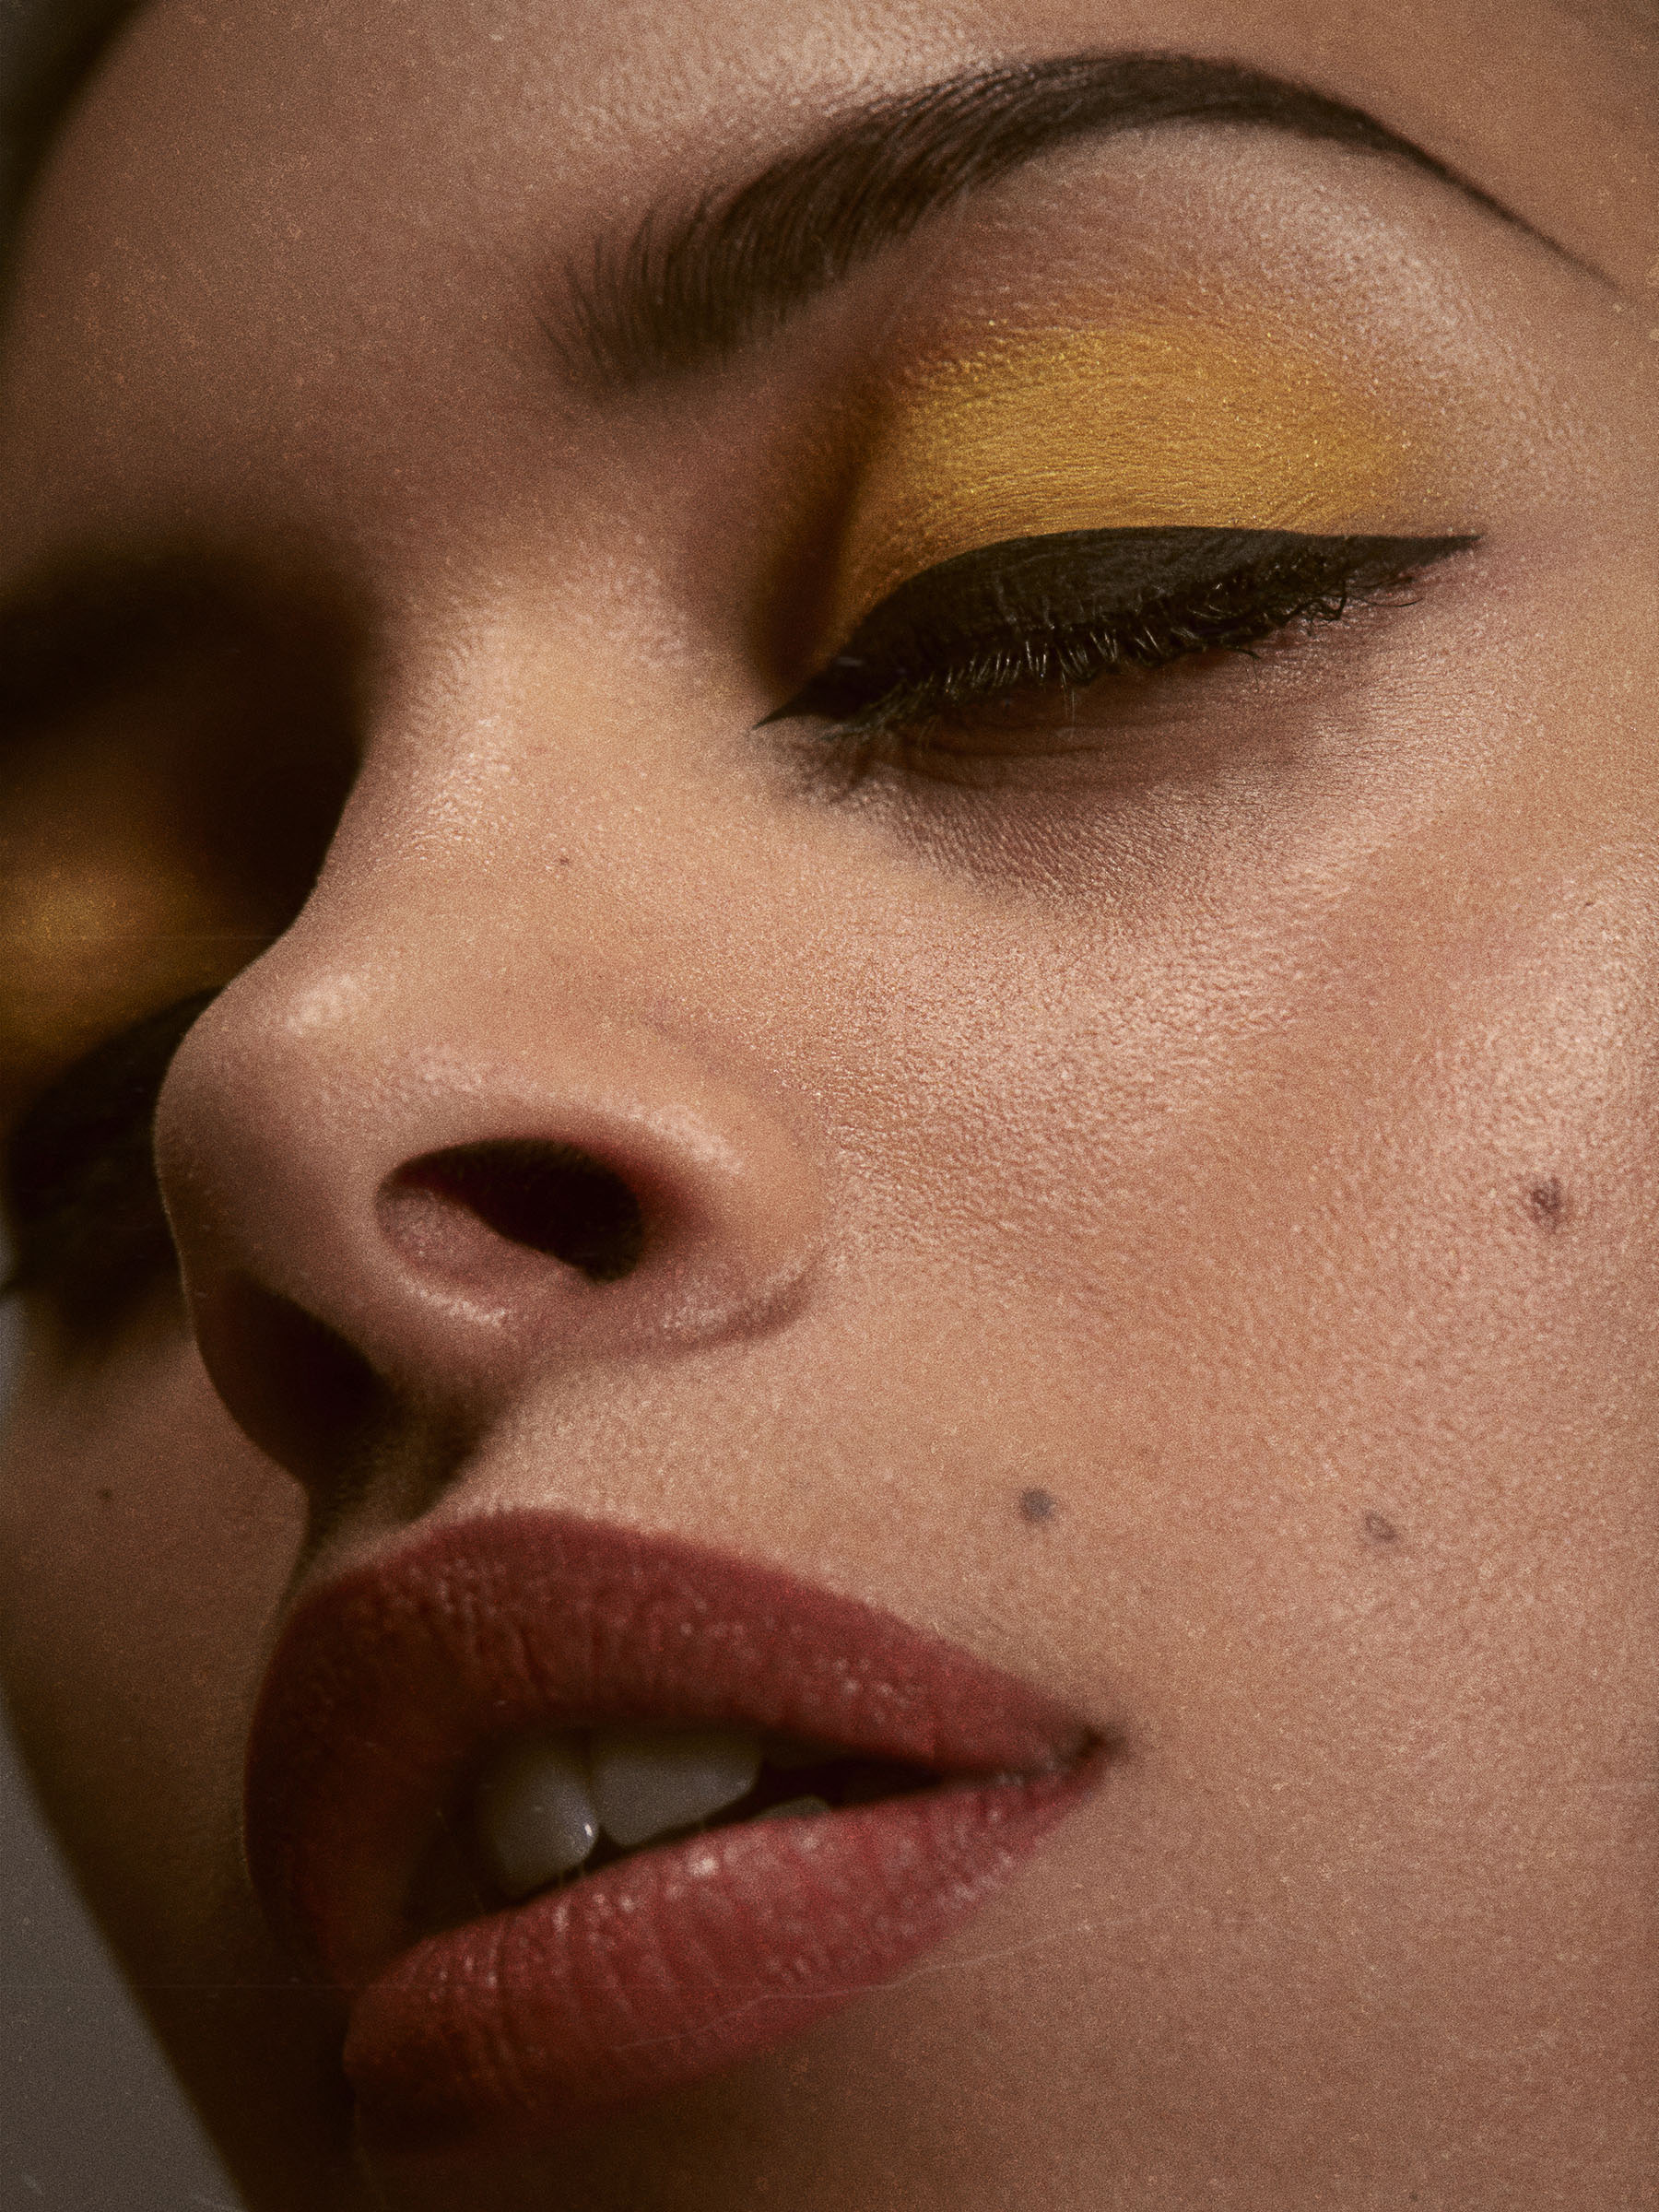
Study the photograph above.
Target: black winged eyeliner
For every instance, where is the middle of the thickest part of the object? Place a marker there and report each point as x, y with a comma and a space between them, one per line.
1069, 606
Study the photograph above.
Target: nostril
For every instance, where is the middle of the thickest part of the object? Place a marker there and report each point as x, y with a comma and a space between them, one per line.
548, 1198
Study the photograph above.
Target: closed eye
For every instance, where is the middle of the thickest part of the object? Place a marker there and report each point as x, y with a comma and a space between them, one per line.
1062, 611
79, 1182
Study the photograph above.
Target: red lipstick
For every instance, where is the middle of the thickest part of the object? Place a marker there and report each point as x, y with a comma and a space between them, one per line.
391, 1687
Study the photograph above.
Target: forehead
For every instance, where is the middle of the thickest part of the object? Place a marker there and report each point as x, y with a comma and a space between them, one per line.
588, 107
256, 204
1465, 75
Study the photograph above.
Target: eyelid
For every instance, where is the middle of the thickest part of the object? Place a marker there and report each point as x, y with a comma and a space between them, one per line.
1235, 420
1073, 585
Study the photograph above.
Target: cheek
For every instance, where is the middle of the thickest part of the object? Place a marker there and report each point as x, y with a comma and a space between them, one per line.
146, 1545
1308, 1239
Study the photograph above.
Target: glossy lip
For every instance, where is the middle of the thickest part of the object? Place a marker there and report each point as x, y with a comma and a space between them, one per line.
392, 1684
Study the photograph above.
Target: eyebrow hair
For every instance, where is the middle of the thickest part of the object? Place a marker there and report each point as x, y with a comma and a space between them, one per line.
71, 635
686, 292
75, 633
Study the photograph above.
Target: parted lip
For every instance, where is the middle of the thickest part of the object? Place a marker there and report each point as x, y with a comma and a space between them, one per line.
390, 1686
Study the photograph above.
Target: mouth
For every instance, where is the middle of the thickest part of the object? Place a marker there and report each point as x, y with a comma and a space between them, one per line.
574, 1817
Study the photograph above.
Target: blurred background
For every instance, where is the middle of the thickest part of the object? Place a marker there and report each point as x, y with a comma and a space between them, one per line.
90, 2117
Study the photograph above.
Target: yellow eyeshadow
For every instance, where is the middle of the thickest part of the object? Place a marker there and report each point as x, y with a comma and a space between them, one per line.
88, 950
1146, 424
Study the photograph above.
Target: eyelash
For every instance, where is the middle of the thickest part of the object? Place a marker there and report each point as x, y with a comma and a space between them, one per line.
89, 1235
1060, 613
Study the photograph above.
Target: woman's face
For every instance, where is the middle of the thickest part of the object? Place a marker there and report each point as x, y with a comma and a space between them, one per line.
1149, 1182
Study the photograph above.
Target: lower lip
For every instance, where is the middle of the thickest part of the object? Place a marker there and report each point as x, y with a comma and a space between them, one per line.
677, 1963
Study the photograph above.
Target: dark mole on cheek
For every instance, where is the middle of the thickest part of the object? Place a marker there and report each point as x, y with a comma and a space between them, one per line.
1036, 1506
1380, 1529
1546, 1202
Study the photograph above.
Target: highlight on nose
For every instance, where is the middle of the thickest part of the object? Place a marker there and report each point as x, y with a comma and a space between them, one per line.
442, 1209
399, 1215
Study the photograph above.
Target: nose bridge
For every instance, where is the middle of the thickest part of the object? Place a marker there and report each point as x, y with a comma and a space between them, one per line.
541, 810
430, 1143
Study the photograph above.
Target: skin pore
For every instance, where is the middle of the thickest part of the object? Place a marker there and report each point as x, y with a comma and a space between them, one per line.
1150, 1117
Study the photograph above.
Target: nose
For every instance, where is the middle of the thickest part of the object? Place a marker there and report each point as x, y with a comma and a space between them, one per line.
400, 1203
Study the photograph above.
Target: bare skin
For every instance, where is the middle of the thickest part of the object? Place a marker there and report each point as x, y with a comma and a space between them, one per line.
1172, 1213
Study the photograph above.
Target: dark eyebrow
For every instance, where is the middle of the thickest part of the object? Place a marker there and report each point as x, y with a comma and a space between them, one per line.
687, 291
75, 633
70, 636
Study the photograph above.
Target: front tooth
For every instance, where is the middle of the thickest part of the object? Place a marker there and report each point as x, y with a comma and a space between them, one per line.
796, 1808
647, 1781
536, 1816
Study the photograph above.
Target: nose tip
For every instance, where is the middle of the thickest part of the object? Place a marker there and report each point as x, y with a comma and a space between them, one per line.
375, 1230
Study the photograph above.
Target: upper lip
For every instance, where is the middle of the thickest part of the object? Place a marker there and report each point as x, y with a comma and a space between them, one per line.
393, 1683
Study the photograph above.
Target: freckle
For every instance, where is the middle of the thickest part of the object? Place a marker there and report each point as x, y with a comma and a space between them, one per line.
1380, 1529
1037, 1506
1546, 1202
